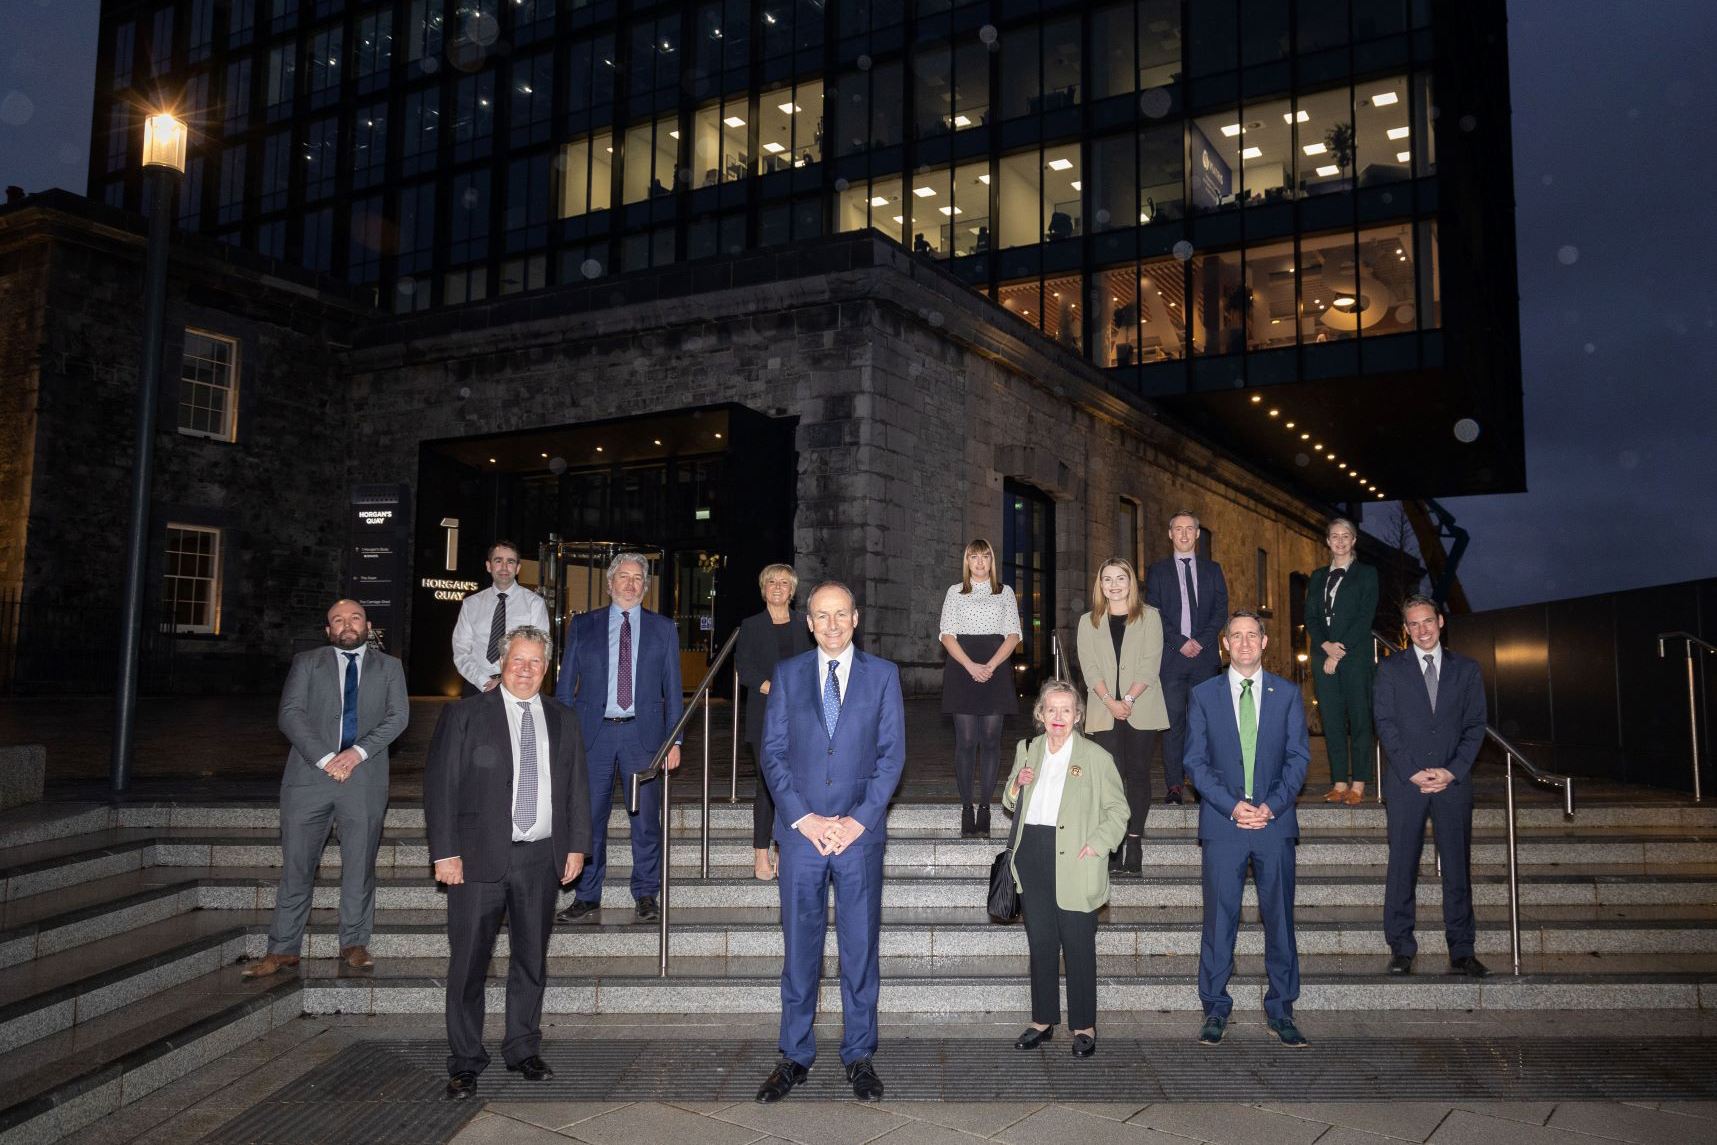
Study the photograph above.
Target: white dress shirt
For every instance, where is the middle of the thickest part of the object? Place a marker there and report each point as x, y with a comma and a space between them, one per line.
843, 669
340, 680
543, 828
1045, 806
1436, 655
1257, 678
471, 630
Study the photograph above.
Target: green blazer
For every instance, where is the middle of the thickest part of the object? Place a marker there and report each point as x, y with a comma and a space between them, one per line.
1093, 813
1141, 663
1355, 610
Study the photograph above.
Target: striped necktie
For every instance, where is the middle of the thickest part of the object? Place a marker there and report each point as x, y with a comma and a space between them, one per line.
497, 627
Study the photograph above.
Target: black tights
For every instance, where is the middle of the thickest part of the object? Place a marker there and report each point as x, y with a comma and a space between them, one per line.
977, 747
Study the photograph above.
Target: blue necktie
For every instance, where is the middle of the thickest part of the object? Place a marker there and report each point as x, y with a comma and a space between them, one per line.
349, 703
832, 700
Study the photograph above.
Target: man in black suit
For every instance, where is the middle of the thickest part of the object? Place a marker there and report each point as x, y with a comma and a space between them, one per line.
507, 801
1430, 713
1192, 595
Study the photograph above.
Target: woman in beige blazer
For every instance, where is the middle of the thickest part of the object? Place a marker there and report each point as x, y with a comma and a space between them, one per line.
1067, 795
1120, 646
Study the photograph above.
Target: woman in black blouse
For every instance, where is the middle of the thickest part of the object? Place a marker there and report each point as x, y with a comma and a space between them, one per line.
774, 634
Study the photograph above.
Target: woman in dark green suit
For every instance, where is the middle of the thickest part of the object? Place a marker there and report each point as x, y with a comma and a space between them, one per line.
1074, 812
1341, 601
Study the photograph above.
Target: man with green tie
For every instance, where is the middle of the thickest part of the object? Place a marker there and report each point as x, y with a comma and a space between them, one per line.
1246, 750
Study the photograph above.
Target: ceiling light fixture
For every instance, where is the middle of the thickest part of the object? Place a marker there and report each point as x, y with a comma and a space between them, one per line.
1384, 99
1295, 117
734, 121
1329, 170
1314, 149
1275, 412
1256, 398
924, 192
962, 121
1397, 132
1231, 130
773, 147
789, 108
879, 201
1403, 157
1060, 164
1252, 153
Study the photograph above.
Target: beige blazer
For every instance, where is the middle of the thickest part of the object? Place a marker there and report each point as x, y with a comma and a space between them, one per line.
1141, 662
1093, 812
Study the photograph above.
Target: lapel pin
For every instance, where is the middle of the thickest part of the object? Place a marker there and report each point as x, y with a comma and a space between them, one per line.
1074, 770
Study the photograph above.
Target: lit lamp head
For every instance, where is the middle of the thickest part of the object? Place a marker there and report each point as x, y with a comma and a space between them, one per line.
164, 137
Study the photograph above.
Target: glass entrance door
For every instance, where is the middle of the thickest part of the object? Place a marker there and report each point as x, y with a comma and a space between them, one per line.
1028, 566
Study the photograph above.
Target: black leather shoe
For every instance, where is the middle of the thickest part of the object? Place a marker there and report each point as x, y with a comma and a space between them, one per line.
1084, 1045
648, 910
461, 1087
982, 824
787, 1074
1117, 861
1033, 1037
866, 1085
968, 821
1401, 964
581, 910
1133, 855
1469, 966
534, 1069
1174, 796
1211, 1034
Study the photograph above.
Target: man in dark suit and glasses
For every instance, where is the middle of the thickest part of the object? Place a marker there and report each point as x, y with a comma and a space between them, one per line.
834, 745
1191, 595
1430, 712
341, 708
506, 799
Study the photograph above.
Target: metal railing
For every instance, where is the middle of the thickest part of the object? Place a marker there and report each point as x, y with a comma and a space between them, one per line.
1382, 646
1689, 641
1511, 755
658, 770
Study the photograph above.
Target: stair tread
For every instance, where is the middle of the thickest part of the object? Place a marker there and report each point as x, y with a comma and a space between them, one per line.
88, 961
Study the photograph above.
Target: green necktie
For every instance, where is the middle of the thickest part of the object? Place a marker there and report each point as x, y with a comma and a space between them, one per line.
1248, 733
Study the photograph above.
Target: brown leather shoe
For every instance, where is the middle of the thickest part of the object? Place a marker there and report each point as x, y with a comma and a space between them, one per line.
1352, 797
357, 957
269, 964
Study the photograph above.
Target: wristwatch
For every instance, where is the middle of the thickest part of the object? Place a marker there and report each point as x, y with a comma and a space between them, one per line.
1128, 700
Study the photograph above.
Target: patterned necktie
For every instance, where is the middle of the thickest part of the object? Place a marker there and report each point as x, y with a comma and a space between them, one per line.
832, 700
349, 703
1248, 733
525, 798
1188, 599
623, 682
497, 627
1431, 679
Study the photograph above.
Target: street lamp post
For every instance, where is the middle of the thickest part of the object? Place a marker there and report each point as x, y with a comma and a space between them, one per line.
163, 162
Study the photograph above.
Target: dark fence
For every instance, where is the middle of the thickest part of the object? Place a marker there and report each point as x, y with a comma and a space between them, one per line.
50, 646
1578, 683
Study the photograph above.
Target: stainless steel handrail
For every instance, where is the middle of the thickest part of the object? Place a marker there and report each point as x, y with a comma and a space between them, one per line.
1511, 754
1688, 641
656, 769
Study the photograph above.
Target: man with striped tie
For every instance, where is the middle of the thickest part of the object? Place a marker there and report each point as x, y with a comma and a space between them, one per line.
484, 617
506, 800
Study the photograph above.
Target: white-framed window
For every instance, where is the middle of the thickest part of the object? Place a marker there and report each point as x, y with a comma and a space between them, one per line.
190, 584
1129, 533
1265, 601
208, 386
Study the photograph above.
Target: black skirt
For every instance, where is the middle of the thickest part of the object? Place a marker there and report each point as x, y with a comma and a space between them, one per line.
964, 696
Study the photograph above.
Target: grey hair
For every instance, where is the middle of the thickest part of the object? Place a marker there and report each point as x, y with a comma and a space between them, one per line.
629, 558
1245, 614
531, 633
1052, 687
1415, 601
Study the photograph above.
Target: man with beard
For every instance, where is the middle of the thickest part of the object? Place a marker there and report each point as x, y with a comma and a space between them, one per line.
341, 708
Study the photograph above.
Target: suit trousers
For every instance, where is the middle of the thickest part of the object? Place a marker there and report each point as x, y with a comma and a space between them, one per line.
618, 752
526, 895
1054, 935
1179, 677
762, 806
1344, 699
1271, 857
1130, 747
307, 811
805, 877
1451, 814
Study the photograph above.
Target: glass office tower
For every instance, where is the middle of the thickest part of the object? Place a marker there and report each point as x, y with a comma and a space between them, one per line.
1201, 197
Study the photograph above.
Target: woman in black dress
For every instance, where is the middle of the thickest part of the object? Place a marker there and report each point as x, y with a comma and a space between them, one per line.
774, 634
980, 629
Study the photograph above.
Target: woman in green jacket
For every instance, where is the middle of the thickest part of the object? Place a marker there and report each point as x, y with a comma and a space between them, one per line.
1341, 602
1074, 812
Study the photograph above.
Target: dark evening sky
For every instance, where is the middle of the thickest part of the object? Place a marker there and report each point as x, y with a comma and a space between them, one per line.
1614, 184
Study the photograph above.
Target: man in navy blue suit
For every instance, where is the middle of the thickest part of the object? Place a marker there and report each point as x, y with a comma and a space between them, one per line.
834, 744
1246, 749
621, 674
1430, 712
1191, 594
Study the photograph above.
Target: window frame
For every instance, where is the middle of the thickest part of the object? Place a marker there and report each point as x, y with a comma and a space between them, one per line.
211, 623
230, 415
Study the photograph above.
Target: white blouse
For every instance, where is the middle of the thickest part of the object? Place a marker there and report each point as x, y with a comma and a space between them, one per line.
980, 612
1051, 781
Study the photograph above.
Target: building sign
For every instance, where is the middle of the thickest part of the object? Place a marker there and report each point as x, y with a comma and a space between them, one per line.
1212, 179
378, 538
441, 588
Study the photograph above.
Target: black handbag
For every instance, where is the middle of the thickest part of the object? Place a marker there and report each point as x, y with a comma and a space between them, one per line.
1004, 897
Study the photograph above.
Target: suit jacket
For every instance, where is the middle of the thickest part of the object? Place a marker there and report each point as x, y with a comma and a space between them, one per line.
657, 701
310, 714
1140, 662
1209, 613
1355, 613
1278, 765
468, 785
1414, 737
755, 657
1093, 813
854, 773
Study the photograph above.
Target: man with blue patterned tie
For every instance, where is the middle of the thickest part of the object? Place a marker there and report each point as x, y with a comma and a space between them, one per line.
834, 745
1191, 594
341, 708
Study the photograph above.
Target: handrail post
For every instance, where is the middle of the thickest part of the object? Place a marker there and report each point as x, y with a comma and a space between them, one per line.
1693, 719
667, 860
1376, 740
733, 772
704, 860
1513, 875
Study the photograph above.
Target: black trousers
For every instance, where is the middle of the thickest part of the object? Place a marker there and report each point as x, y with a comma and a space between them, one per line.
1451, 813
527, 897
762, 807
1054, 934
1131, 749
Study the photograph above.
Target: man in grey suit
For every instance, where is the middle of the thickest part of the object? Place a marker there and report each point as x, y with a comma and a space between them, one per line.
341, 708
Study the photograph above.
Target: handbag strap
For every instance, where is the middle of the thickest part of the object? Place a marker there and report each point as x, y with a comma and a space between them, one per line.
1019, 821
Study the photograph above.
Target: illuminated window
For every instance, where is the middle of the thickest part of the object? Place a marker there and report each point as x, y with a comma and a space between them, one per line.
190, 585
587, 174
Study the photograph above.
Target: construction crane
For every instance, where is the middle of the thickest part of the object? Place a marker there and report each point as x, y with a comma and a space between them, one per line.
1445, 585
